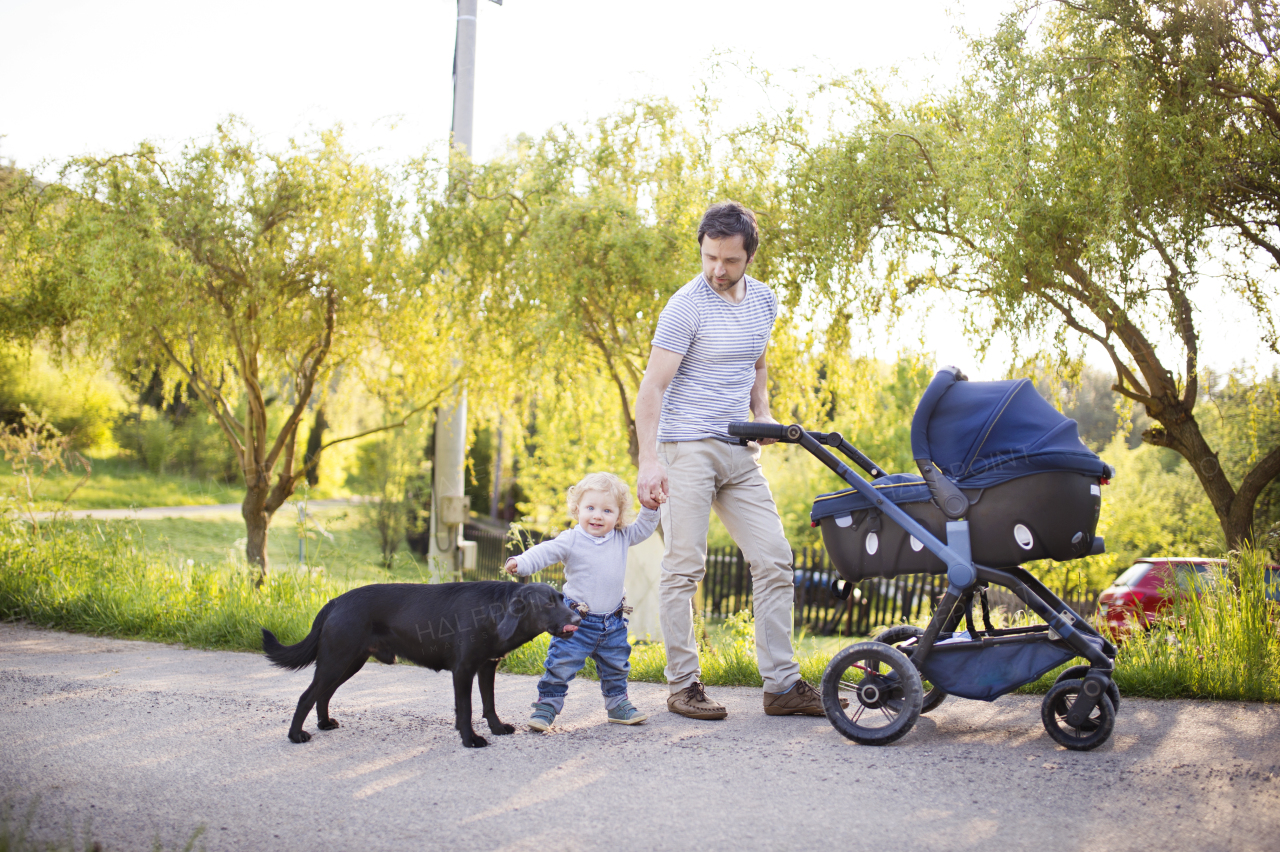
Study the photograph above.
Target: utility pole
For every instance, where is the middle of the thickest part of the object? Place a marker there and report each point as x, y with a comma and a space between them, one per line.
448, 554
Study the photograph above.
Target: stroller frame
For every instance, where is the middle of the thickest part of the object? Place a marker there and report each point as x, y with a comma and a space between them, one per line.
1086, 706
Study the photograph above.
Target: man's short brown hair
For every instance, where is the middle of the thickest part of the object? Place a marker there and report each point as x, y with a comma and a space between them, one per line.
727, 218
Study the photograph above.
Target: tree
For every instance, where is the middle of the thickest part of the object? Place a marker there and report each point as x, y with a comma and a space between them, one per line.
251, 276
1210, 65
573, 243
1073, 185
570, 245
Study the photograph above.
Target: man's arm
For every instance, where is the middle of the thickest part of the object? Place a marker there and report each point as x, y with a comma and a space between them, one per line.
663, 364
760, 396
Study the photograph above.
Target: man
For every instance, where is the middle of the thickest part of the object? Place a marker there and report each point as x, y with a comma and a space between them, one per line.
707, 368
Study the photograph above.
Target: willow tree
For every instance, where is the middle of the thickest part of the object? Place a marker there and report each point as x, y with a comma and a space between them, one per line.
570, 245
251, 275
1077, 182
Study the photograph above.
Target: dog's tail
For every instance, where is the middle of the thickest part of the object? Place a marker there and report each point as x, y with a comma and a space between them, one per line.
297, 656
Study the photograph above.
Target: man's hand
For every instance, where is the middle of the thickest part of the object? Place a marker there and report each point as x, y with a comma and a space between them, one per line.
511, 567
651, 487
764, 442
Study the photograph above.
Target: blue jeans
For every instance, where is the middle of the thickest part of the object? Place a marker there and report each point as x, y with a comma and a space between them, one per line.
603, 638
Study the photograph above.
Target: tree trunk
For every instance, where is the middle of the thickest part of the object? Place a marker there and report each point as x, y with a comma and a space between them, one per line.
315, 440
1179, 431
495, 496
633, 439
256, 522
1238, 525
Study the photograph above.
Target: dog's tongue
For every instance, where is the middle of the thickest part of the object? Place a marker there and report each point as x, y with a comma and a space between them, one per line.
569, 628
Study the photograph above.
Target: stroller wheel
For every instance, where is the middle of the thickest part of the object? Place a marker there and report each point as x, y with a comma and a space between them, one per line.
1078, 673
883, 689
904, 637
1095, 730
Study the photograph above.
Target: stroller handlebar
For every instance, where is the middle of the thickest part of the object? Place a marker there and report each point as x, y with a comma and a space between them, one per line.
796, 434
754, 431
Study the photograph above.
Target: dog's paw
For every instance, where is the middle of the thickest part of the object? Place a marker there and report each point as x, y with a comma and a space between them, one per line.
502, 728
477, 741
299, 737
328, 725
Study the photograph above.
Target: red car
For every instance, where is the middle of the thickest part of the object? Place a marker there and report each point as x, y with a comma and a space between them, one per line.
1141, 593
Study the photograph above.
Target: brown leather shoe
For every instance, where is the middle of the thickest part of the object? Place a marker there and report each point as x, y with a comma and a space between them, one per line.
801, 700
692, 701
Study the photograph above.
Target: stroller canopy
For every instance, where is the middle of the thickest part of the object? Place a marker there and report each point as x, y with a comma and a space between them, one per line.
983, 433
979, 434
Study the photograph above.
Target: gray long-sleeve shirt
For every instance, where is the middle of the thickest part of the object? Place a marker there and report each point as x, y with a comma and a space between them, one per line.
594, 568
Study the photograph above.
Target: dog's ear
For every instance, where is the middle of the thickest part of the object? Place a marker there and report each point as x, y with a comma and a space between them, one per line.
516, 608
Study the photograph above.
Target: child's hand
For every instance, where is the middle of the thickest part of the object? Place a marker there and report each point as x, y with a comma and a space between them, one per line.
661, 497
511, 567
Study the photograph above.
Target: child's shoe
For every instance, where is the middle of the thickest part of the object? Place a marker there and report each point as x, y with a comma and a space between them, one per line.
626, 714
542, 716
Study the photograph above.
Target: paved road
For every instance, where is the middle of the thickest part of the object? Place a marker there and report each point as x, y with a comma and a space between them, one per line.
153, 740
151, 513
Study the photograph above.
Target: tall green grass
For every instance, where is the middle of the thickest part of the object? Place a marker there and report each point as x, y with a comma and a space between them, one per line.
97, 579
1221, 642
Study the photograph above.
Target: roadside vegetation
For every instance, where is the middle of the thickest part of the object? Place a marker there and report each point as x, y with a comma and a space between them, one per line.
104, 580
16, 834
1223, 642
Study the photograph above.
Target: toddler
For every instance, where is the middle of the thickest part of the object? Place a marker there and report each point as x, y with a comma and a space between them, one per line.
594, 554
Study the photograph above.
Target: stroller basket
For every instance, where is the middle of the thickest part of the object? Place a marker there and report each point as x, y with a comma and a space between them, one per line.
986, 669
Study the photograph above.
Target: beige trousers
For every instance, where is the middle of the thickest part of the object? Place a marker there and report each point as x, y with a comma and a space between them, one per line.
702, 476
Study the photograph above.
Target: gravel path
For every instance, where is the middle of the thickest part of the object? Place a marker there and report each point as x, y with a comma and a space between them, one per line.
151, 513
150, 741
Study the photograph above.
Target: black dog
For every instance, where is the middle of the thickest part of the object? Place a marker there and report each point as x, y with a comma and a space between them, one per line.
466, 628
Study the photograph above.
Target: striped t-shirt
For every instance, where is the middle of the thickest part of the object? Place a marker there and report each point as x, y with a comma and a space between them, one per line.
721, 343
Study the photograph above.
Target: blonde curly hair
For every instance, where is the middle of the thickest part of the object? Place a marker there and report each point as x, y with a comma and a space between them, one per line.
610, 484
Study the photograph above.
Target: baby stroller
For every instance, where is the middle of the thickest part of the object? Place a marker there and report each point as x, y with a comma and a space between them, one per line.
1004, 479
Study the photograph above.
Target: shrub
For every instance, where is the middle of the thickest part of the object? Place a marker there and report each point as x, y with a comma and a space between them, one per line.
77, 397
35, 448
195, 445
200, 449
391, 469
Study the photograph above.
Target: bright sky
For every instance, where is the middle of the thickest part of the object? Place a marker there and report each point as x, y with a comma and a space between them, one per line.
95, 77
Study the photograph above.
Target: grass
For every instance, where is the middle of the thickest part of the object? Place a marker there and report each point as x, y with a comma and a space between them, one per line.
119, 482
101, 580
184, 581
1222, 643
344, 550
136, 580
